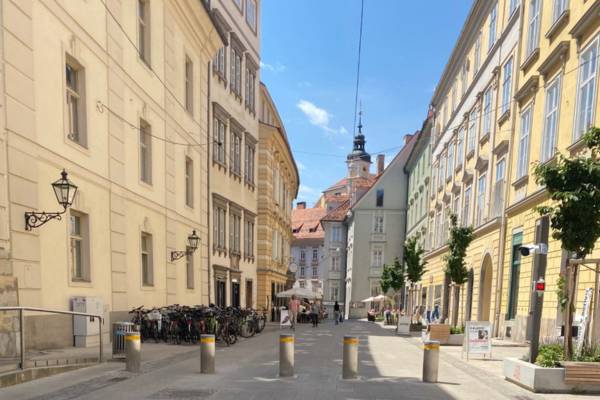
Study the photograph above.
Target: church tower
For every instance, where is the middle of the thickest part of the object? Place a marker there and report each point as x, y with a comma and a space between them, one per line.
359, 161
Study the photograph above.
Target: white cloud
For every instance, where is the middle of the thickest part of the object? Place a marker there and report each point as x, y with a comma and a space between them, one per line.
319, 117
301, 167
277, 67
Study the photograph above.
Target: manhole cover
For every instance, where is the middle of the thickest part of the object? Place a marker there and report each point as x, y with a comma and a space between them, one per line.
178, 394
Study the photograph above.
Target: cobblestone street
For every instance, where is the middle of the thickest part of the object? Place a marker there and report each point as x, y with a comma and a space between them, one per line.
389, 368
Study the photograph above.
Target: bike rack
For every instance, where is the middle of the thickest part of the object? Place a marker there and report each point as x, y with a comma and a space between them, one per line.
46, 310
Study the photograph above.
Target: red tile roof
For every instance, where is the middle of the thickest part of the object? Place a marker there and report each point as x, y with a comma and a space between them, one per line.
339, 213
343, 183
306, 223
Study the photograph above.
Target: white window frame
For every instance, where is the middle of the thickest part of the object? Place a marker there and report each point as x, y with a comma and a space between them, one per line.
507, 85
79, 246
585, 118
487, 112
512, 7
551, 118
493, 26
146, 259
251, 14
480, 204
558, 9
460, 144
524, 134
477, 56
378, 222
501, 169
145, 139
533, 26
466, 219
189, 85
189, 182
472, 130
144, 25
377, 256
219, 140
75, 102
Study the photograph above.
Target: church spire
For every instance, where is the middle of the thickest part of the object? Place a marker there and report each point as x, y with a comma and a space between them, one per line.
358, 149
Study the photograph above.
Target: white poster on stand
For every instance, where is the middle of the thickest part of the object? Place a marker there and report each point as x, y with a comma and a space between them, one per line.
285, 319
478, 338
403, 325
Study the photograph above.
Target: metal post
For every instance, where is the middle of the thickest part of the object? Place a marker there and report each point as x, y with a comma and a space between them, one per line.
133, 348
207, 354
100, 338
350, 357
542, 230
22, 336
431, 359
286, 355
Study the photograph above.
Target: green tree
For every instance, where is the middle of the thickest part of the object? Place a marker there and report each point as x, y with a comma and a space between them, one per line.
460, 239
574, 188
415, 268
392, 277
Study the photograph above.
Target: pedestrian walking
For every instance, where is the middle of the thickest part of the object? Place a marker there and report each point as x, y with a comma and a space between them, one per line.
336, 312
314, 314
293, 307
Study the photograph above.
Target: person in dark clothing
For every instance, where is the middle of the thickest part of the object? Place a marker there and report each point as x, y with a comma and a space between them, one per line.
314, 313
336, 312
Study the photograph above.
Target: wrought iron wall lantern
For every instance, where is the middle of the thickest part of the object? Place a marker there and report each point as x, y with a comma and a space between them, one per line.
64, 190
193, 242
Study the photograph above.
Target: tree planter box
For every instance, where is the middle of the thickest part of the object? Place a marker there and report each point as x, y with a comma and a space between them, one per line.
455, 339
543, 380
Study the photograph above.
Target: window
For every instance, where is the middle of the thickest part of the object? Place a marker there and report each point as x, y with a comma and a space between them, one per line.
315, 254
219, 140
481, 199
515, 271
147, 261
219, 215
189, 85
249, 238
302, 283
315, 273
493, 23
450, 160
500, 170
377, 257
250, 89
251, 14
560, 6
453, 97
334, 291
472, 131
144, 30
456, 207
378, 223
189, 182
463, 78
335, 263
379, 196
336, 234
533, 33
145, 152
302, 272
235, 157
460, 142
586, 96
523, 155
79, 239
235, 75
442, 171
487, 111
74, 76
477, 57
512, 7
466, 214
506, 86
219, 65
189, 268
302, 256
235, 226
249, 160
551, 119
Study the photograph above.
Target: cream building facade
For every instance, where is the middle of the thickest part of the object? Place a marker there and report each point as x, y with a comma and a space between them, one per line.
233, 113
278, 182
116, 95
473, 119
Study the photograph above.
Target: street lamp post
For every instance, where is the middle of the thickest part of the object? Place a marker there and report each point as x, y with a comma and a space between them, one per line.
193, 242
65, 191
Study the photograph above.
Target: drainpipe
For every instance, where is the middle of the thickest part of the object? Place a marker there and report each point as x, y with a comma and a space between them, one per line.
208, 147
504, 218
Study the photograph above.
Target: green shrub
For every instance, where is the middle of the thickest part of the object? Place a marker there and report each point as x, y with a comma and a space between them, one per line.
588, 354
550, 355
454, 330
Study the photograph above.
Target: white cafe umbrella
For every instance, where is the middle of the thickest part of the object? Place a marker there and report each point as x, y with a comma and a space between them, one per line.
367, 300
374, 299
299, 292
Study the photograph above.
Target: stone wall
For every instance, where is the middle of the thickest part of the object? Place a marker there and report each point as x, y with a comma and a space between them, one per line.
9, 321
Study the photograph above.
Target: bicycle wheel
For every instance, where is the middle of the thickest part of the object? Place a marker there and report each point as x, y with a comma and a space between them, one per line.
247, 329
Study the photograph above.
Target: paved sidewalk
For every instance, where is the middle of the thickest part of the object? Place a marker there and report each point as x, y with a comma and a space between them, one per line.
389, 368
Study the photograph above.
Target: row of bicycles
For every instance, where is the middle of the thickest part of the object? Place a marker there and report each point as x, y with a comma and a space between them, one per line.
178, 324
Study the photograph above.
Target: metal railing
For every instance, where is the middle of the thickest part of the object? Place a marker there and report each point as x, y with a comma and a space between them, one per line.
22, 310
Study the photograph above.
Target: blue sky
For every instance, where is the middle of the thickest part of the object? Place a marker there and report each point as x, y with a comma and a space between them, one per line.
309, 51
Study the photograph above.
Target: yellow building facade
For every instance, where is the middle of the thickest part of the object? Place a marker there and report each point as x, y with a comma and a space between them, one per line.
472, 120
116, 94
278, 182
556, 102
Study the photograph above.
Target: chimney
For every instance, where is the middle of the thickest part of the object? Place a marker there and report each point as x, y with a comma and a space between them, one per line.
301, 205
380, 163
407, 138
